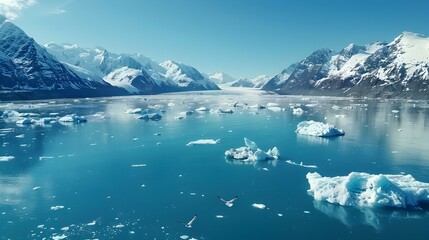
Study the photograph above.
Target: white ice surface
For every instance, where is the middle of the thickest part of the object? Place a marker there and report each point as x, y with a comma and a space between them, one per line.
203, 142
318, 129
251, 152
367, 190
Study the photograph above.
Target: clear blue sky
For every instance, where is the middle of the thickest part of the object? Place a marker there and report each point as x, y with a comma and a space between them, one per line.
240, 37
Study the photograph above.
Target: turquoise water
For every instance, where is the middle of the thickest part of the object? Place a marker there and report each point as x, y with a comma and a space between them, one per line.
88, 169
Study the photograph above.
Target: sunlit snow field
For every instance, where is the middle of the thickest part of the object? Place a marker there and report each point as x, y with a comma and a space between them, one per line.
119, 177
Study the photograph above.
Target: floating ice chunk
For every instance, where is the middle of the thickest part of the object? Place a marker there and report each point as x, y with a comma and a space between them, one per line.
307, 212
395, 111
6, 158
318, 129
20, 136
202, 109
37, 188
65, 228
120, 226
275, 109
366, 190
56, 208
272, 105
59, 237
91, 223
257, 106
73, 118
297, 111
301, 164
25, 121
184, 237
133, 110
250, 144
151, 116
251, 152
138, 165
203, 142
259, 205
219, 216
225, 111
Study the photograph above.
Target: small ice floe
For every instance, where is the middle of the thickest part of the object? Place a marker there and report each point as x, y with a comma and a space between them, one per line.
37, 188
219, 216
151, 116
307, 212
259, 205
138, 165
184, 237
203, 142
340, 116
56, 208
251, 152
367, 190
275, 109
225, 111
133, 110
72, 118
65, 228
313, 128
6, 158
272, 104
228, 203
20, 136
301, 164
297, 111
395, 111
257, 106
202, 109
59, 237
25, 121
119, 226
280, 214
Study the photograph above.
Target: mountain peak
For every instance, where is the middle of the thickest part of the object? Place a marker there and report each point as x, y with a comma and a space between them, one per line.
2, 19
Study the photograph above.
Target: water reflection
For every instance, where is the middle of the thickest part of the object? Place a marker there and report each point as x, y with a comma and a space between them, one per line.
373, 217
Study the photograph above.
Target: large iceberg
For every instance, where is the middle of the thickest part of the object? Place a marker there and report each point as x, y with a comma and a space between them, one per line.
318, 129
251, 152
367, 190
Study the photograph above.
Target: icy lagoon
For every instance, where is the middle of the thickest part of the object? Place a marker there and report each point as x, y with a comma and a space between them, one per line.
119, 177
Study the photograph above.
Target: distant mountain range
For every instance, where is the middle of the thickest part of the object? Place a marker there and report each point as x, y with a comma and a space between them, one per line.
31, 71
399, 69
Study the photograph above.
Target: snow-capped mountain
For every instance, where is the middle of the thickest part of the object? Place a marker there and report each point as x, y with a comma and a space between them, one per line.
398, 69
256, 82
220, 77
26, 66
187, 77
138, 81
134, 72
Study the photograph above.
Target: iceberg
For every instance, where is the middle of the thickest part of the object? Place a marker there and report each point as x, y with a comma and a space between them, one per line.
224, 111
25, 121
318, 129
202, 109
203, 142
297, 111
251, 153
72, 118
133, 110
367, 190
6, 158
151, 116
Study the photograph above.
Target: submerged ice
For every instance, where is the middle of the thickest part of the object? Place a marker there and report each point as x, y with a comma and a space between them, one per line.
318, 129
367, 190
251, 152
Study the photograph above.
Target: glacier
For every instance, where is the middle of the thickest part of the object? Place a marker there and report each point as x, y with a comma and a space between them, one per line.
360, 189
318, 129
